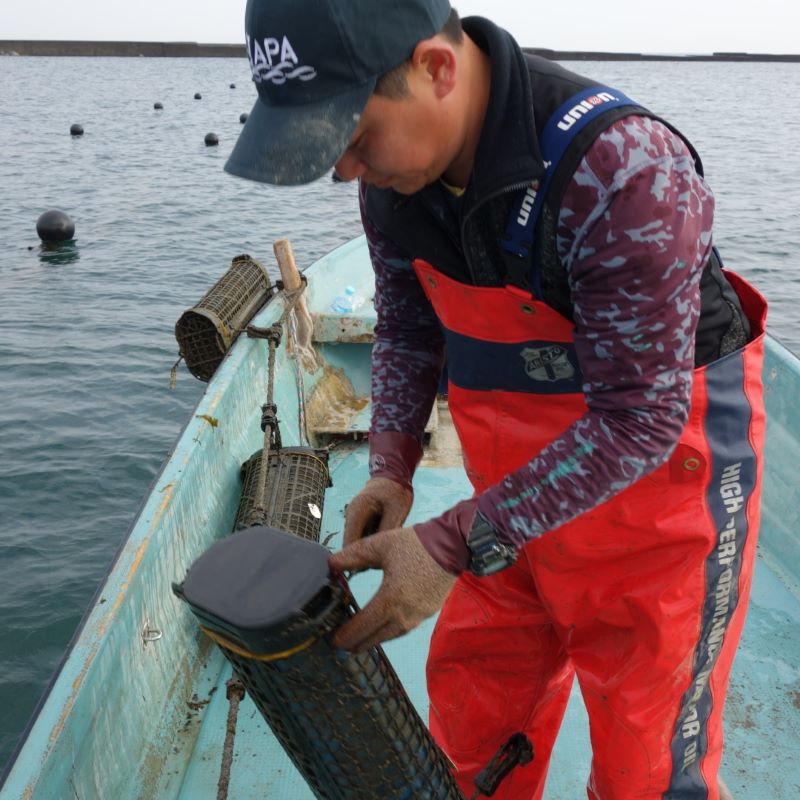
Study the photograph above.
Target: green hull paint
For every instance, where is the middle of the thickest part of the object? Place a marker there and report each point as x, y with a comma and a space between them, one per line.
127, 719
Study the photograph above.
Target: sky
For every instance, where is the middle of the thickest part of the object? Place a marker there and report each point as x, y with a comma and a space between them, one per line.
665, 26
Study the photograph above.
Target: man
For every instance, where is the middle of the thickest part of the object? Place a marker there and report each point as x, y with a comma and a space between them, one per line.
604, 379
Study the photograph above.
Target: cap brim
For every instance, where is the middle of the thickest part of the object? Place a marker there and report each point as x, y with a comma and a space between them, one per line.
290, 145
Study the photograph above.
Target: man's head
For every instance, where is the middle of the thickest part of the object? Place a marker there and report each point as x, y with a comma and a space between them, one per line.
316, 64
415, 125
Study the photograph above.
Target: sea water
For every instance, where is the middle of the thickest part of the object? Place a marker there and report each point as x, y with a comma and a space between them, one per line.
86, 331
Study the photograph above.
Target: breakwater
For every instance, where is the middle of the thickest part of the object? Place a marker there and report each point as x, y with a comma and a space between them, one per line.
47, 47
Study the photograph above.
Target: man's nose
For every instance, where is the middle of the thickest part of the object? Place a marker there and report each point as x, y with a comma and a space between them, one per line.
349, 167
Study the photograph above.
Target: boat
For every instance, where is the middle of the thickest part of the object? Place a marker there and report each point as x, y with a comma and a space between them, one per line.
140, 705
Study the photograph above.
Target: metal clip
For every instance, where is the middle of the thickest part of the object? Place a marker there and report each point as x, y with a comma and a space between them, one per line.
150, 634
269, 416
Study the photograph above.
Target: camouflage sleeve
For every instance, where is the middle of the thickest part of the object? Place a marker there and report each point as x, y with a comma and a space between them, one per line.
407, 358
634, 233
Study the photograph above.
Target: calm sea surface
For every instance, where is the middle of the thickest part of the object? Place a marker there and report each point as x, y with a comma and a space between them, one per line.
86, 333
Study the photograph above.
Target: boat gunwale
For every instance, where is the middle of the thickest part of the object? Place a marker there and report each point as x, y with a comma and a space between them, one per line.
95, 611
91, 630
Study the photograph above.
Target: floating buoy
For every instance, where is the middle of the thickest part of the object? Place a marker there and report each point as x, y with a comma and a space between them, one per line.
55, 226
198, 96
211, 139
157, 106
76, 130
233, 86
243, 118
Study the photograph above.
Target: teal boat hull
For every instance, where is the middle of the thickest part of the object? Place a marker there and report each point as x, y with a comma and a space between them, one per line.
135, 714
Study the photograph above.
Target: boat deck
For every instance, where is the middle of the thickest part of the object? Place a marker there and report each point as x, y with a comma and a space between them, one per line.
763, 701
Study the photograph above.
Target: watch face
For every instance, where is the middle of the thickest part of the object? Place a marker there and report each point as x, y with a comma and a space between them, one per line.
488, 554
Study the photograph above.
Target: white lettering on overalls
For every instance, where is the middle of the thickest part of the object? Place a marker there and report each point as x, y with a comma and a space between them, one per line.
731, 493
731, 490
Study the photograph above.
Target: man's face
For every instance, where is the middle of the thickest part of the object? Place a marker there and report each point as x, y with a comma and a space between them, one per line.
400, 144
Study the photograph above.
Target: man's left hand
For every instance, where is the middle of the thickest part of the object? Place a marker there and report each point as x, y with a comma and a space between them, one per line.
414, 587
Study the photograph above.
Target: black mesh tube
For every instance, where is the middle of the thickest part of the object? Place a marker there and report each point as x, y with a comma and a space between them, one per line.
344, 719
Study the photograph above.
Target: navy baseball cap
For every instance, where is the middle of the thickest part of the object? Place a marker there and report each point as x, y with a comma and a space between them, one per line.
315, 64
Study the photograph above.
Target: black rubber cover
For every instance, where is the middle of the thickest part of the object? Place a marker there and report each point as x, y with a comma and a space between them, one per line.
257, 585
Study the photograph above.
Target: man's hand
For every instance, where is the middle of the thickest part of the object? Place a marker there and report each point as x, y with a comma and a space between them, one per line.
414, 586
382, 505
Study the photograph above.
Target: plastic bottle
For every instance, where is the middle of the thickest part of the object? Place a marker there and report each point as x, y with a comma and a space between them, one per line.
347, 302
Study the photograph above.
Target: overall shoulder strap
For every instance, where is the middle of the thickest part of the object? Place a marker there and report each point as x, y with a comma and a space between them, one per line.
567, 134
546, 262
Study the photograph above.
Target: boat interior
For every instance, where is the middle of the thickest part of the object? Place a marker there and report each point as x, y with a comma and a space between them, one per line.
135, 715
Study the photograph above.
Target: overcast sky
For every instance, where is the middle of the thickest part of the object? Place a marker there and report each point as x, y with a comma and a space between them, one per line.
672, 26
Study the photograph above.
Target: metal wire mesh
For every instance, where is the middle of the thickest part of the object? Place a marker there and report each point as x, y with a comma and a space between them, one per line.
345, 720
268, 601
206, 331
295, 491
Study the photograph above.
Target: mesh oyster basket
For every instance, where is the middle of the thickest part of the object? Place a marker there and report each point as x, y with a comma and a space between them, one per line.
295, 491
344, 719
207, 331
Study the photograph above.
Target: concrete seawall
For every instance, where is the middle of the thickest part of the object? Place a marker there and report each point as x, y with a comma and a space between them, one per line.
125, 49
44, 47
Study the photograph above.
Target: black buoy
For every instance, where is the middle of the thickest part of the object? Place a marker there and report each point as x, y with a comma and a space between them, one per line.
233, 86
198, 96
211, 139
243, 118
55, 226
157, 106
76, 130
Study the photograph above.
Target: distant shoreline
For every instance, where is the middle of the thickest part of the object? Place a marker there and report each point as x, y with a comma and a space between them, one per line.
28, 47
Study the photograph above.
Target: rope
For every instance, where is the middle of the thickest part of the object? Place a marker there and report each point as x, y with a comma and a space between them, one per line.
173, 373
269, 419
293, 298
272, 436
234, 692
298, 380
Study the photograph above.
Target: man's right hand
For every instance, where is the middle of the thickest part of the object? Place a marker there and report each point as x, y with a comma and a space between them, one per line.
382, 505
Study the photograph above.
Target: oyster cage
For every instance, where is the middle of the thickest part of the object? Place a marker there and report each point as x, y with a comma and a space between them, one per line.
206, 331
295, 491
266, 598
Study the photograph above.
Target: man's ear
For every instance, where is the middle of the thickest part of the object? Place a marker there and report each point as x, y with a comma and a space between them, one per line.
434, 60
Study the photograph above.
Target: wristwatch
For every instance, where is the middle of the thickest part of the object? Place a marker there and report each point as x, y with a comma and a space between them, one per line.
487, 554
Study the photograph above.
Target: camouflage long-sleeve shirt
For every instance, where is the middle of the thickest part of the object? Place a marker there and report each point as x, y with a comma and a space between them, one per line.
634, 234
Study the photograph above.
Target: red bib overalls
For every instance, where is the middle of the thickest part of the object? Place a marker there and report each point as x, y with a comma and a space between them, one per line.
643, 597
